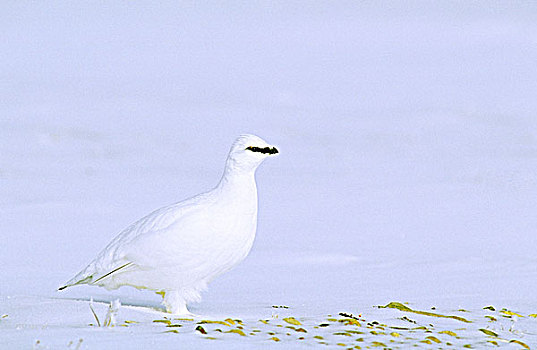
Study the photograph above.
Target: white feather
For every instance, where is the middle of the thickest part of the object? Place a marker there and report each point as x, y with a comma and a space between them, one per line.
180, 248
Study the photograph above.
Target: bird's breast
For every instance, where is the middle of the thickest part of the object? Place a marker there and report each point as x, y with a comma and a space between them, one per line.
234, 234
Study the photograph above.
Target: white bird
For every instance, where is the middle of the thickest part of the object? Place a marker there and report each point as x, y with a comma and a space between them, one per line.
178, 249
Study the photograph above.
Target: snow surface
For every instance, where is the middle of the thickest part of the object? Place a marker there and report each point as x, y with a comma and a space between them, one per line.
408, 139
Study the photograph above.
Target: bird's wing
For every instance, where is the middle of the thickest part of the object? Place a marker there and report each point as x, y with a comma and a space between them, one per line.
179, 244
135, 246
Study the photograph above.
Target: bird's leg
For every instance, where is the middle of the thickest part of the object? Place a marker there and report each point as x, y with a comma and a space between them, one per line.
175, 303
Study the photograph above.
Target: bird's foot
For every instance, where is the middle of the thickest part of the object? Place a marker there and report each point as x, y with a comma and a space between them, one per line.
175, 304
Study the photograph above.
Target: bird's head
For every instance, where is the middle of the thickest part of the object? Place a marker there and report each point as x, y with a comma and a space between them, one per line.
248, 151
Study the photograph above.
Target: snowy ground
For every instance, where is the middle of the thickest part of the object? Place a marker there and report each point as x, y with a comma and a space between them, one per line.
408, 138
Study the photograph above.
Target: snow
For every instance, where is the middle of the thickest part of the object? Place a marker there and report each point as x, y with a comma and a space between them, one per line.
408, 146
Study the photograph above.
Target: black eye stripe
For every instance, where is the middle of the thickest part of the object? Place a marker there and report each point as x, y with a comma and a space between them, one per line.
263, 150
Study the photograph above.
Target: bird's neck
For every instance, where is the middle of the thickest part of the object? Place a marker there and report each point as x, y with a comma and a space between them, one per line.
239, 184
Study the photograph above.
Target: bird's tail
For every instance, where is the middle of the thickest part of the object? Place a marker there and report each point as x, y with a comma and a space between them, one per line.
89, 276
75, 281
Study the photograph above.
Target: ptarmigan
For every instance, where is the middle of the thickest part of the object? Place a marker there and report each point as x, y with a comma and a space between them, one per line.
177, 250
